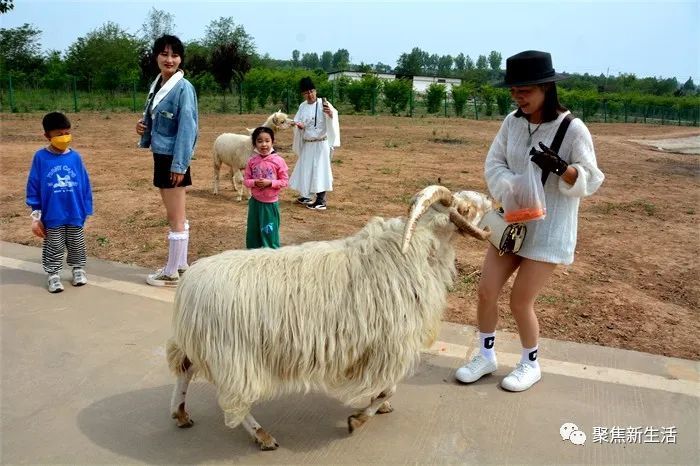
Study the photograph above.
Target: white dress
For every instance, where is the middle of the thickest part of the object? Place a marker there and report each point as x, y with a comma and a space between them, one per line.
314, 144
552, 239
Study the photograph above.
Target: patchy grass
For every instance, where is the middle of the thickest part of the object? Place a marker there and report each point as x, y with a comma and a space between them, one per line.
389, 171
639, 205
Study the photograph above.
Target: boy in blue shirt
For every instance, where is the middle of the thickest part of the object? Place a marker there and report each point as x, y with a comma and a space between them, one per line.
60, 196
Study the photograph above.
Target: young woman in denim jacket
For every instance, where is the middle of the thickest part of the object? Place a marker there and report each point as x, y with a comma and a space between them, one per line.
169, 128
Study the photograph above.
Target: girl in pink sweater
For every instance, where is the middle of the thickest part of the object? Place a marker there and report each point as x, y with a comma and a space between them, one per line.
265, 174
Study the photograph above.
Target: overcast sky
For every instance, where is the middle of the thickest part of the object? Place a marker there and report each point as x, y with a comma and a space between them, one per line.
653, 38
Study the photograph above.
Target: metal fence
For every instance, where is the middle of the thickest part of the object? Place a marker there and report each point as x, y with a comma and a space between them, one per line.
23, 97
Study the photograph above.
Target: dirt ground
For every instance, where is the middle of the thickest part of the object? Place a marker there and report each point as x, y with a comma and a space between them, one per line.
634, 283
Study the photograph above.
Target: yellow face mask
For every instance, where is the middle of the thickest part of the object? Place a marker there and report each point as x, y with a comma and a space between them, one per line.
61, 142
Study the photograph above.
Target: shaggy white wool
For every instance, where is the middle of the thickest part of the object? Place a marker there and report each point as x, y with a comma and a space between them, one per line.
346, 317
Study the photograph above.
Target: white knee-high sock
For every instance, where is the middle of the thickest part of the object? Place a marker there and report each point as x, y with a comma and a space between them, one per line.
177, 247
529, 356
182, 260
487, 345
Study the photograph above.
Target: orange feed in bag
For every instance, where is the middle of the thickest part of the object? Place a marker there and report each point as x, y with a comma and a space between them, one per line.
524, 215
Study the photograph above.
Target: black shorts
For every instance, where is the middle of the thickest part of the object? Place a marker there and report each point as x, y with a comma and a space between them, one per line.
161, 172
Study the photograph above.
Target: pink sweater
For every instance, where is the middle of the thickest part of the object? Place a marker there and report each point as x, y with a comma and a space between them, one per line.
271, 167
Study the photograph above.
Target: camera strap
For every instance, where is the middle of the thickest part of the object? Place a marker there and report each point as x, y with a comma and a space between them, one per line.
558, 138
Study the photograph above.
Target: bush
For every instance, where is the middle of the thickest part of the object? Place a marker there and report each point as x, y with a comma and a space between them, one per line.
434, 96
460, 96
397, 94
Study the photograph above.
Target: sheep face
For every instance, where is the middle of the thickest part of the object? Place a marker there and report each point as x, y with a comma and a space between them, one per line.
458, 212
281, 120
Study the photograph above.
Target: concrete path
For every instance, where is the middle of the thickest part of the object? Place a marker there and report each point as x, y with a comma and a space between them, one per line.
84, 381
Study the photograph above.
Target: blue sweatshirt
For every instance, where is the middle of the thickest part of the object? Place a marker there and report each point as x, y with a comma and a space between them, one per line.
59, 186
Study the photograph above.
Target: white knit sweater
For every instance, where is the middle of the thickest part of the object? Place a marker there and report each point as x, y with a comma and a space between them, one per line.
552, 239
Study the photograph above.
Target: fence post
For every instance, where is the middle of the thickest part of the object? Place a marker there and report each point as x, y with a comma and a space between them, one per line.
374, 101
625, 107
12, 94
476, 109
679, 115
663, 116
75, 95
133, 96
445, 103
605, 111
287, 98
410, 104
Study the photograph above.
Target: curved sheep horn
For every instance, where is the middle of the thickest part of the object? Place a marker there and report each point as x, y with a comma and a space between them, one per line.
427, 197
466, 227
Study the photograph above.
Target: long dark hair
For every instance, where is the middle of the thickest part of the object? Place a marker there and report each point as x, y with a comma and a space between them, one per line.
551, 107
175, 45
262, 129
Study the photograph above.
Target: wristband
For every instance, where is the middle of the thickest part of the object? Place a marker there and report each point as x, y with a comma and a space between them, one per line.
35, 215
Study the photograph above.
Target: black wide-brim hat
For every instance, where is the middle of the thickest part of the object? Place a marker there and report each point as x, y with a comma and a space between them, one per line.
306, 84
530, 67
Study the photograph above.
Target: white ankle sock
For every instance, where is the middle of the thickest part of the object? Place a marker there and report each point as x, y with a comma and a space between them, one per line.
487, 344
177, 247
529, 356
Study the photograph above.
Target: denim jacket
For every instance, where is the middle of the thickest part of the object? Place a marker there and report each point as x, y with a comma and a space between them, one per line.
172, 130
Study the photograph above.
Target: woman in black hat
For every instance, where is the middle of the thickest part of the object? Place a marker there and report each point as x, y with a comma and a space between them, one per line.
316, 134
524, 138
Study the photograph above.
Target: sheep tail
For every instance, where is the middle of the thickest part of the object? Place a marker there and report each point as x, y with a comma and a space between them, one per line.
177, 359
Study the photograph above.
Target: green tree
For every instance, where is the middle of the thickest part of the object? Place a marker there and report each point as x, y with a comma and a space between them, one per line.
55, 76
105, 58
412, 63
397, 93
482, 62
295, 57
689, 87
310, 60
382, 68
229, 63
445, 65
503, 101
6, 5
224, 31
157, 23
434, 97
460, 96
326, 61
341, 59
360, 93
20, 50
495, 60
460, 62
468, 63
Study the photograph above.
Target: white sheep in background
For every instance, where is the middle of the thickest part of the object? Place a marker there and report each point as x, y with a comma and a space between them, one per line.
235, 149
346, 317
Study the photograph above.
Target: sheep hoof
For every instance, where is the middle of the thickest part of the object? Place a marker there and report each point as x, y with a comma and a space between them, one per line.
355, 421
385, 408
182, 417
266, 441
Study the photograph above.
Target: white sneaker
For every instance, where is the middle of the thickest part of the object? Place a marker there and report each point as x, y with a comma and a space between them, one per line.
523, 377
475, 369
161, 279
54, 283
79, 277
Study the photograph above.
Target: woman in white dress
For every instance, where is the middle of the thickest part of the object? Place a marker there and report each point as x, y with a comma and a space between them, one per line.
316, 134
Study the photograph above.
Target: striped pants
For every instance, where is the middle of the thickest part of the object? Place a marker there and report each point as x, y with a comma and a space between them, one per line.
57, 241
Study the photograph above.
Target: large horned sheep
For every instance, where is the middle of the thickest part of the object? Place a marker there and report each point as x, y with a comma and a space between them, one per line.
347, 317
235, 149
